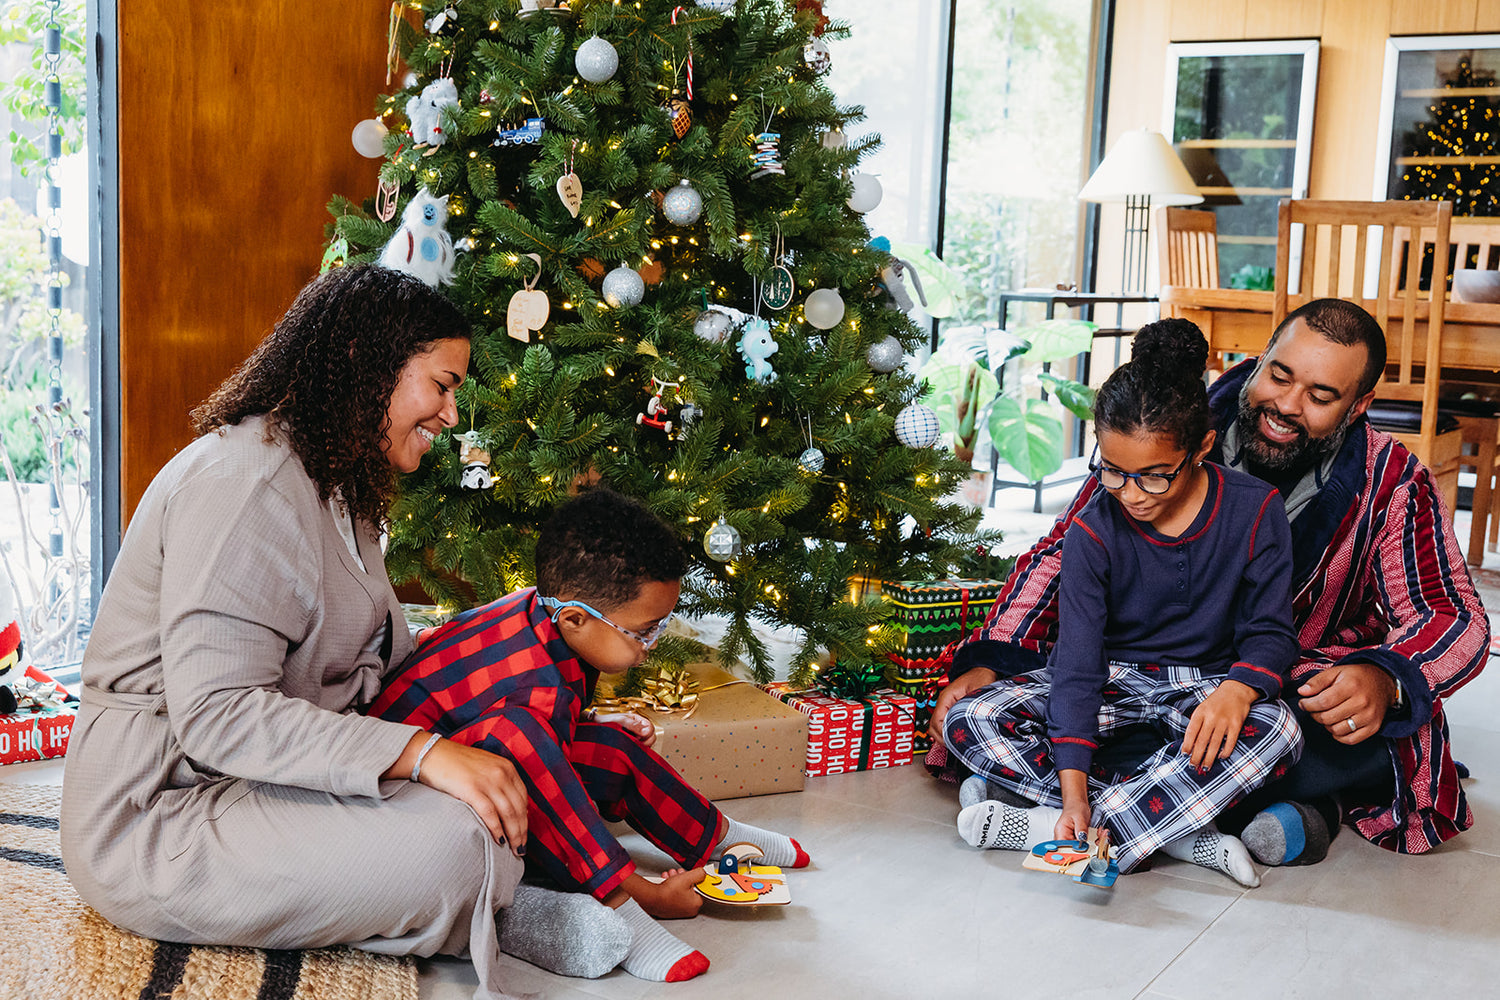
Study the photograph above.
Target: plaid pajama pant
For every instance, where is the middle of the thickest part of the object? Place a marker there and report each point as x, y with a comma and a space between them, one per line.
602, 775
1000, 732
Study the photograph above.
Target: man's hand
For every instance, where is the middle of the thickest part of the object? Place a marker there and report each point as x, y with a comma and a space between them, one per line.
1357, 692
1215, 725
636, 725
966, 684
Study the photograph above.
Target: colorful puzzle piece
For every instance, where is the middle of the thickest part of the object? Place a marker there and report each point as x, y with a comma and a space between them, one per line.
1085, 861
737, 879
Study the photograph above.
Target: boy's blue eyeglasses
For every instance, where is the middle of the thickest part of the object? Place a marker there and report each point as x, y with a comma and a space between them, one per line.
1155, 483
647, 638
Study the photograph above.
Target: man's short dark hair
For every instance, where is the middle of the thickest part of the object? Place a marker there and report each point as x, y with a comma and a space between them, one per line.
602, 547
1346, 323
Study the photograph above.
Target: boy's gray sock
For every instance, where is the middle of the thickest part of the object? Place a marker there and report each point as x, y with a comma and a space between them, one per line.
655, 953
976, 788
569, 933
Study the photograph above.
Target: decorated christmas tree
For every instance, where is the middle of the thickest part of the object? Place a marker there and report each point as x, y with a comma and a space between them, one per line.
1451, 155
653, 218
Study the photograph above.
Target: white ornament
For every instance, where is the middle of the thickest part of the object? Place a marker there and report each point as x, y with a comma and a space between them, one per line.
435, 23
682, 204
714, 323
811, 461
528, 308
369, 138
623, 287
917, 426
867, 193
596, 60
425, 112
570, 190
885, 355
721, 6
834, 139
723, 541
815, 53
824, 308
421, 245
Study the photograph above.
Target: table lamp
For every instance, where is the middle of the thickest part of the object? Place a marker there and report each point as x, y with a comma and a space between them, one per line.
1141, 167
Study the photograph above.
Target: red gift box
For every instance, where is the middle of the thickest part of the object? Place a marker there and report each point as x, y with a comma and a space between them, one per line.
846, 734
37, 735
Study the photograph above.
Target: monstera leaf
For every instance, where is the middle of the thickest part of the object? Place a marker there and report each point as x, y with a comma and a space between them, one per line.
1076, 397
1028, 435
1057, 339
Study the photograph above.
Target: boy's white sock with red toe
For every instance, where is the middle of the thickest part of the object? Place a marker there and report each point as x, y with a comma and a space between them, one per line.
780, 850
655, 953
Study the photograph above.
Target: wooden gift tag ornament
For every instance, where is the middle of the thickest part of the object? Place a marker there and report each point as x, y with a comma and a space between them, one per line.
569, 187
528, 308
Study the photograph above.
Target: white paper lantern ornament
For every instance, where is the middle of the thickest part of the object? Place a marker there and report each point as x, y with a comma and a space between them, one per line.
682, 204
917, 426
623, 287
885, 355
596, 60
723, 541
824, 308
369, 138
866, 194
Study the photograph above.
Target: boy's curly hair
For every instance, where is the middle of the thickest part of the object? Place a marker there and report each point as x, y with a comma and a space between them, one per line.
325, 374
601, 547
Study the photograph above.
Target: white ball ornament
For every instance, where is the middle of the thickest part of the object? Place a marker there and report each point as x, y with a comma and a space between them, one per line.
596, 60
917, 426
885, 355
682, 205
623, 287
369, 138
713, 326
723, 541
867, 193
815, 53
824, 308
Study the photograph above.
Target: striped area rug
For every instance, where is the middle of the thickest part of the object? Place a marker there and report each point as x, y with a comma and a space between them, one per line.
57, 948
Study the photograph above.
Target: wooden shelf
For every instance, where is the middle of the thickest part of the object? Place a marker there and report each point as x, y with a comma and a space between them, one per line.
1433, 161
1257, 192
1268, 241
1238, 144
1454, 92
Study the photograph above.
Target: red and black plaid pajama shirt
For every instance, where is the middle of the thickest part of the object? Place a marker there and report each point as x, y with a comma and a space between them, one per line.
500, 677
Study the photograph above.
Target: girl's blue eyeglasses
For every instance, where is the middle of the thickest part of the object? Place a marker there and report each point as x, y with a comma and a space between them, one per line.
1155, 483
647, 638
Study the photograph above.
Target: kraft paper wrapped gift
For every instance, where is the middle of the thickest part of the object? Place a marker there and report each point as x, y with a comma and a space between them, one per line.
738, 741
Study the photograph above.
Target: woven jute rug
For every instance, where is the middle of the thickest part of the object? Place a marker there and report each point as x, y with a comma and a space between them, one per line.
54, 947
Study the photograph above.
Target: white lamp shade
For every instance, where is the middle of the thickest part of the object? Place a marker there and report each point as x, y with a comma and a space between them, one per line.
1142, 163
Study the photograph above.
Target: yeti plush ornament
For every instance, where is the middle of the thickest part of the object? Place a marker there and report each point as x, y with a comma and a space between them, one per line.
425, 111
422, 245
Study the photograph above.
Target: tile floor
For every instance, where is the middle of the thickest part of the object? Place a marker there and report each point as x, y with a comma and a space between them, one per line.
896, 906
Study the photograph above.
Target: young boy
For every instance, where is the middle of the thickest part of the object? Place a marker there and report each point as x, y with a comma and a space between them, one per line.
515, 677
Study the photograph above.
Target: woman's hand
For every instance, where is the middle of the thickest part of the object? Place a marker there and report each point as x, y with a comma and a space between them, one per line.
638, 726
1216, 723
486, 781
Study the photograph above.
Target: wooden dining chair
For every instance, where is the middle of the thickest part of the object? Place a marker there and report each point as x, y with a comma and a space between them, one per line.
1189, 247
1349, 250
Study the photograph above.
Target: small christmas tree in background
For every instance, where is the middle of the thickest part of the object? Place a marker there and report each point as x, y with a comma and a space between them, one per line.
656, 229
1465, 124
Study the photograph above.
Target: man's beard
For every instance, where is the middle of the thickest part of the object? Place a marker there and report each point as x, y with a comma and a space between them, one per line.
1296, 456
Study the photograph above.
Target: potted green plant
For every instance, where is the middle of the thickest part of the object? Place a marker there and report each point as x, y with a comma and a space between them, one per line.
1025, 419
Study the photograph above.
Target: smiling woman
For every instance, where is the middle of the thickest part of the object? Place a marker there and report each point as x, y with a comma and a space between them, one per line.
220, 755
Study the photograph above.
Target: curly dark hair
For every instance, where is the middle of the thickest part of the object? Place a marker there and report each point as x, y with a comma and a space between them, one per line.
601, 547
325, 374
1161, 389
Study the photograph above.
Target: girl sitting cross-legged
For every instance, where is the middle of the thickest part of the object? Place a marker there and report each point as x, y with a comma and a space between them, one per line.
1174, 616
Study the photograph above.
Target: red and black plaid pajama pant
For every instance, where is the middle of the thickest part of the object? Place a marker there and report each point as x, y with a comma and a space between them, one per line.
602, 775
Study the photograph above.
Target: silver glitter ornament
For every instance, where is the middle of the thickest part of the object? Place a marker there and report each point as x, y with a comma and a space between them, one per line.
811, 461
682, 205
596, 60
885, 355
623, 287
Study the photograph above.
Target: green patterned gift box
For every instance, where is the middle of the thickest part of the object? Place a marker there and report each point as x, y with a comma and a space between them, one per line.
933, 613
